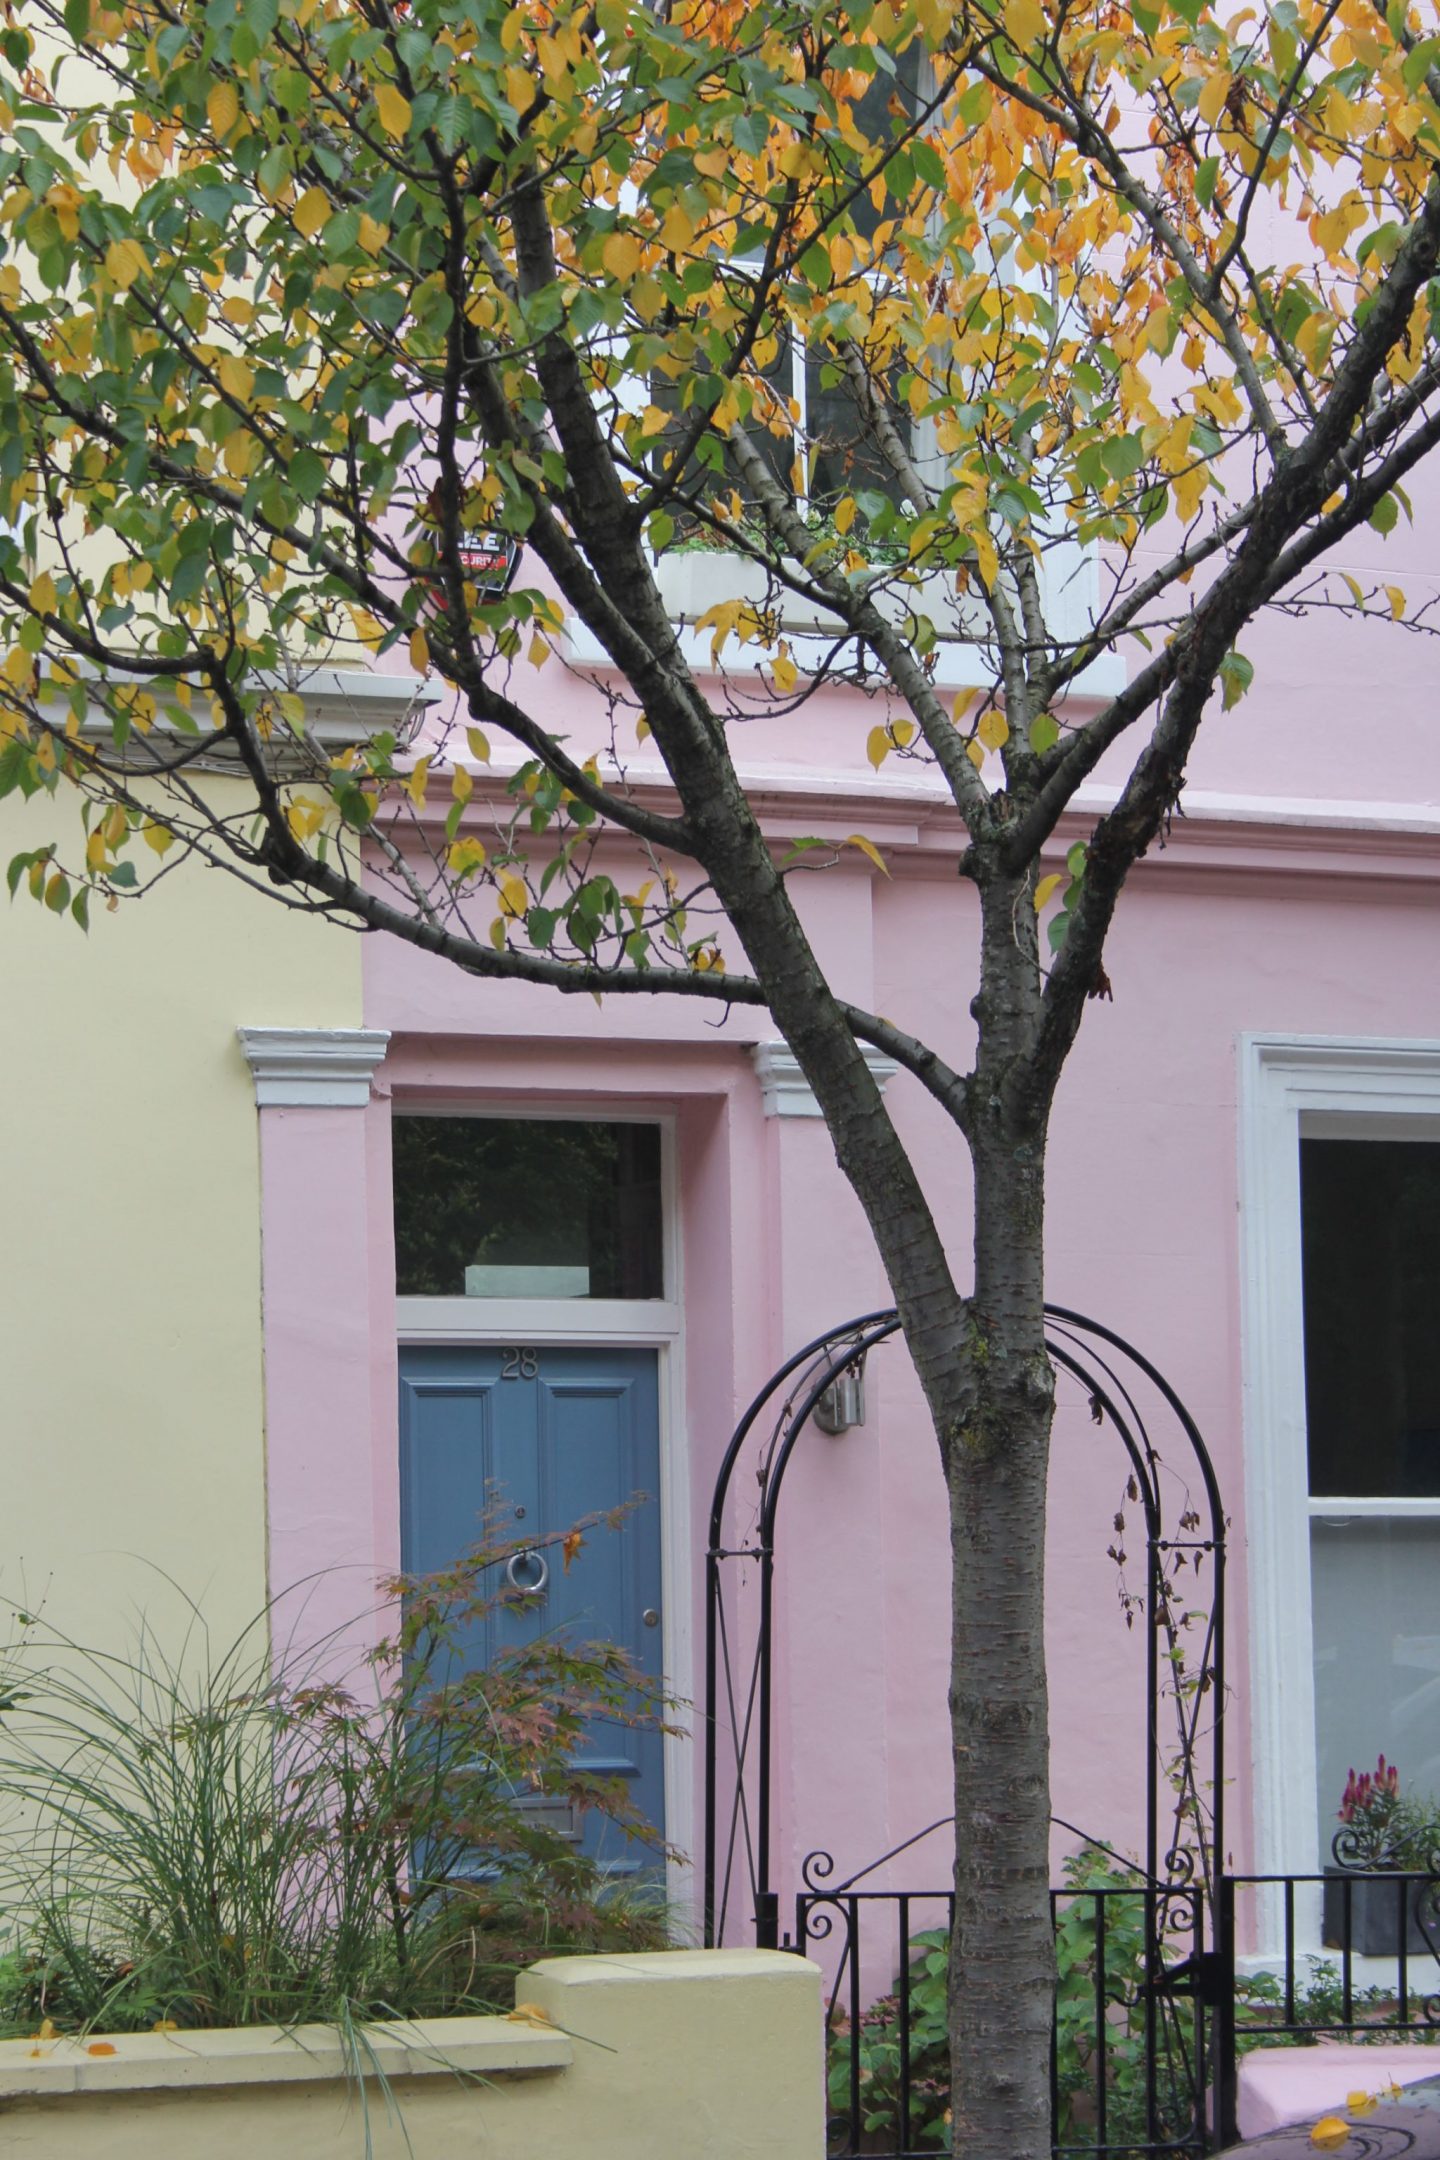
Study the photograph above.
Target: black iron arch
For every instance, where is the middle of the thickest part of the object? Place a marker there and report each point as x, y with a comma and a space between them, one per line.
1184, 1814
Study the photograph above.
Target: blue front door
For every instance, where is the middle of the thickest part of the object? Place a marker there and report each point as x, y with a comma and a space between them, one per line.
541, 1438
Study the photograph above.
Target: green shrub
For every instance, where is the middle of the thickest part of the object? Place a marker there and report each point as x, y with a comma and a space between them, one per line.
204, 1839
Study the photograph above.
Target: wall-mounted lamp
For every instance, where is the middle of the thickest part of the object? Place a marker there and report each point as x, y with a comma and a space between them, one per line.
843, 1403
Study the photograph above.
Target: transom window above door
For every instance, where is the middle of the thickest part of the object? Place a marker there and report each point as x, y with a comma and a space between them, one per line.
491, 1207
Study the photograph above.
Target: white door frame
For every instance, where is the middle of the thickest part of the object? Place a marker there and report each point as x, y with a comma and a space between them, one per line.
1326, 1087
608, 1323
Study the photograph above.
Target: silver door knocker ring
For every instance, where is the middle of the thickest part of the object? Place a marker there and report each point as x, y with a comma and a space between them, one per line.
529, 1559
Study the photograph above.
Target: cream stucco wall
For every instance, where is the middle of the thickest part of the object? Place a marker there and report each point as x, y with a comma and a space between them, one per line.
666, 2055
132, 1433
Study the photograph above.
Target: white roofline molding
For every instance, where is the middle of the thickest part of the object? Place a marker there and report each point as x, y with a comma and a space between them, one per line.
313, 1068
784, 1090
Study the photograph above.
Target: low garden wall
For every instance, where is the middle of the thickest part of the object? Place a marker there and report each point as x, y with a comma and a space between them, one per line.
716, 2054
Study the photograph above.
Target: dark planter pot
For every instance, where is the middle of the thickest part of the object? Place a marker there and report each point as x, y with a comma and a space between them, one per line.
1375, 1911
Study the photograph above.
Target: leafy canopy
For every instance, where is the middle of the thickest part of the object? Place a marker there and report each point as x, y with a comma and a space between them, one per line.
301, 299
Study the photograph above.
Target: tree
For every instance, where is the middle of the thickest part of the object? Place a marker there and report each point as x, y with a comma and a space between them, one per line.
384, 280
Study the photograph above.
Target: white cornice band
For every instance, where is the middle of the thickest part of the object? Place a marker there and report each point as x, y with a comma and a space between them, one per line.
784, 1090
313, 1068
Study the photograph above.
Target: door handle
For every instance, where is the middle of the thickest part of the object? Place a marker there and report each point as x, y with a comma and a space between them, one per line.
529, 1559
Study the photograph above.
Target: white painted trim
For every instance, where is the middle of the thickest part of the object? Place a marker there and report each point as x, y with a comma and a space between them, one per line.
1326, 1086
784, 1090
315, 1068
620, 1323
615, 1321
342, 706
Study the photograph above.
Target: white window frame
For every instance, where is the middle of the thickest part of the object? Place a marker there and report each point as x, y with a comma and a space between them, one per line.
618, 1323
1318, 1087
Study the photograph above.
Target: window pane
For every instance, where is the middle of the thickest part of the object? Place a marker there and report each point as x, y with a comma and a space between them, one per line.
846, 454
522, 1207
1375, 1598
1370, 1231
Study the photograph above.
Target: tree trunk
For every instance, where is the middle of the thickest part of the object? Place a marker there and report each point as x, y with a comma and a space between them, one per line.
997, 1456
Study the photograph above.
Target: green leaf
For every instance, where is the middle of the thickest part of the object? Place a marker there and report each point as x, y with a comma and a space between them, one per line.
1386, 514
1236, 675
307, 474
1207, 172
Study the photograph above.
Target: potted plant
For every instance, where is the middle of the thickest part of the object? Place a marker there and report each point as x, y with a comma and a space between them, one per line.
1385, 1883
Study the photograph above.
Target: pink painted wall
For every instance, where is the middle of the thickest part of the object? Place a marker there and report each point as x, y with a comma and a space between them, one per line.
1254, 917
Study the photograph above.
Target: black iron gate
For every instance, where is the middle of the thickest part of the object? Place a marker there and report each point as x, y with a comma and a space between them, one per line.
1137, 2042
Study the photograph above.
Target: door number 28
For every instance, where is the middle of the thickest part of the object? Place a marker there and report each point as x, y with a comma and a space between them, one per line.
518, 1364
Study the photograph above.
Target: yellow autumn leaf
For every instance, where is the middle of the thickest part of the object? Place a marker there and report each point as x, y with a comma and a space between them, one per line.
1047, 888
1396, 598
878, 746
866, 847
479, 743
393, 108
415, 785
419, 651
311, 212
1025, 23
985, 554
1186, 490
529, 2013
1213, 93
976, 753
676, 230
1362, 2103
993, 728
785, 672
125, 260
844, 514
222, 108
237, 378
43, 596
462, 784
621, 255
466, 855
157, 836
514, 900
1330, 2133
373, 235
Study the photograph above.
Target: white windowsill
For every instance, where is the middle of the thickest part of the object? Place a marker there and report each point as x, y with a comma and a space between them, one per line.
698, 579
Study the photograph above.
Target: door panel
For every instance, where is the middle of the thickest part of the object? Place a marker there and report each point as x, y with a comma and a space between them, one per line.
541, 1439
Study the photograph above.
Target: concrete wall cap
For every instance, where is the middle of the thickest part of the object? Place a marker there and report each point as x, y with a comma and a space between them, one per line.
266, 2055
673, 1965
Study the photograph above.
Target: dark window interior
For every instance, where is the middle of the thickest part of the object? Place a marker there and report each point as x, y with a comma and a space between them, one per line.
524, 1193
1370, 1231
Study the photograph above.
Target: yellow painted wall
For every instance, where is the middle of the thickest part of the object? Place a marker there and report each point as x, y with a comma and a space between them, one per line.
665, 2055
131, 1416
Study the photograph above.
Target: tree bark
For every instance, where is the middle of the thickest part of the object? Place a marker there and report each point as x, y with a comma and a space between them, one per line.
996, 1458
